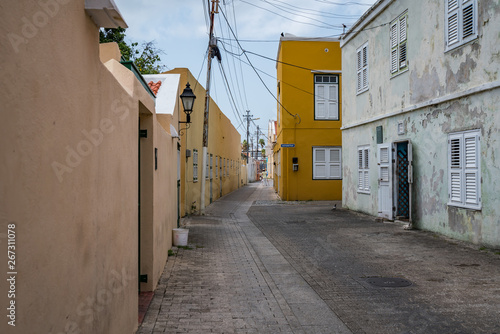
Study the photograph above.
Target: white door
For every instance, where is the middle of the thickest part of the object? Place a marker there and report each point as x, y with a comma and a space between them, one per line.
385, 181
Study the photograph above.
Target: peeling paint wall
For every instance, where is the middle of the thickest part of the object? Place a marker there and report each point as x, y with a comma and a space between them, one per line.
440, 93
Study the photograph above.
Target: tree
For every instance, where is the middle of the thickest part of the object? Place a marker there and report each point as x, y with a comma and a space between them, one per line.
262, 142
263, 152
244, 146
146, 58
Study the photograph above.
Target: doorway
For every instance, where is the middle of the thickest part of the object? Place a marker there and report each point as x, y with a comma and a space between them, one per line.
395, 178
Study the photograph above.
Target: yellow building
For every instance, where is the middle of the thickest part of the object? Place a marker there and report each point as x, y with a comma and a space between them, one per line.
308, 149
224, 151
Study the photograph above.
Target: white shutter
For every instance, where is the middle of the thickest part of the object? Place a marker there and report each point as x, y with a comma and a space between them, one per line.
333, 100
464, 169
402, 28
394, 60
195, 165
362, 68
365, 67
468, 26
363, 171
402, 41
320, 102
455, 168
319, 163
471, 162
335, 163
452, 22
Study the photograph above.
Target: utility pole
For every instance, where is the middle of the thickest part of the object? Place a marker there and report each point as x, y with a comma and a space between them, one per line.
212, 50
257, 153
249, 118
252, 146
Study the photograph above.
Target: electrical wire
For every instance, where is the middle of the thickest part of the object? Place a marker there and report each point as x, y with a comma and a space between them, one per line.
228, 89
328, 26
284, 82
256, 72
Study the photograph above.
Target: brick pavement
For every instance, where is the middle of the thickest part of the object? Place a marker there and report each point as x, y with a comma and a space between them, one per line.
456, 286
222, 284
258, 265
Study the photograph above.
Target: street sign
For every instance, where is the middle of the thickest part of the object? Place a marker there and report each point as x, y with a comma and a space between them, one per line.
287, 145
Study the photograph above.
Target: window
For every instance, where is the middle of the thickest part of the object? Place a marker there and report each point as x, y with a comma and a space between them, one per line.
398, 40
326, 97
195, 165
327, 163
461, 22
216, 169
364, 169
464, 179
362, 69
207, 167
211, 166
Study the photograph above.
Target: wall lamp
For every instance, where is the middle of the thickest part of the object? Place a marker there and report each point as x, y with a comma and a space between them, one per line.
187, 98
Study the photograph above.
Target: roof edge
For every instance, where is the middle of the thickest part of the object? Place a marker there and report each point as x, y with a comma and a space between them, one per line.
364, 20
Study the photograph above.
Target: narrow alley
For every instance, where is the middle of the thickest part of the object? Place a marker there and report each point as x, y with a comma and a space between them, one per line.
255, 264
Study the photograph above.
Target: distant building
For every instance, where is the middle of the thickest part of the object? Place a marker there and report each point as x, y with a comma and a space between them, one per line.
420, 116
223, 167
308, 151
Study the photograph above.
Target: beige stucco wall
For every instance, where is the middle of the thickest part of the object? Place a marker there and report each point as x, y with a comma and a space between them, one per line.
223, 142
69, 174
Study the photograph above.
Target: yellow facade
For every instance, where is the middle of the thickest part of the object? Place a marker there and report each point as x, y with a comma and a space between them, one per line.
224, 151
301, 122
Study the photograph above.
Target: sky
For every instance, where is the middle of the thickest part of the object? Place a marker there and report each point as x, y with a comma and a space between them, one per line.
181, 29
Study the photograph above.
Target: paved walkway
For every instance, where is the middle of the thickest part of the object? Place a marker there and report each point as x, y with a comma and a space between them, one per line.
258, 265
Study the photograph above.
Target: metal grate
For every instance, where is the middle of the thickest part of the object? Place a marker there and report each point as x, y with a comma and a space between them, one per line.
388, 282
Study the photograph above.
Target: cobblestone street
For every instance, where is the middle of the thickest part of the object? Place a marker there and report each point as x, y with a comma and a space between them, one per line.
258, 265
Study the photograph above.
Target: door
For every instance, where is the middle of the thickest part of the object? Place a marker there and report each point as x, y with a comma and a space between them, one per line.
403, 179
384, 158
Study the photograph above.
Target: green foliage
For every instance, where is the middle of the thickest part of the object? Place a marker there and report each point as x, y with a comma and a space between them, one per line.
264, 152
148, 62
244, 145
262, 143
146, 57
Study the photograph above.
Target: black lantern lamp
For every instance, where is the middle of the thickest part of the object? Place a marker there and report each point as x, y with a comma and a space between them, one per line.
188, 98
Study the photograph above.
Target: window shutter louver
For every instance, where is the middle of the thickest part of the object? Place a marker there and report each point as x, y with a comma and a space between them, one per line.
394, 60
461, 22
363, 171
402, 41
333, 99
468, 21
464, 171
320, 102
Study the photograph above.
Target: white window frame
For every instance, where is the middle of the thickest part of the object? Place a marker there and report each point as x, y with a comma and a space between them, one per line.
398, 41
464, 169
461, 22
326, 97
362, 74
325, 162
364, 169
195, 165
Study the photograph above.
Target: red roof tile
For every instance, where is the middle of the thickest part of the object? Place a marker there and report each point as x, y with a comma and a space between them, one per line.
155, 86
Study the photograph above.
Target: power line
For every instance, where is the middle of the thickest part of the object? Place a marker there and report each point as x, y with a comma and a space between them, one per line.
284, 82
260, 78
328, 26
237, 114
